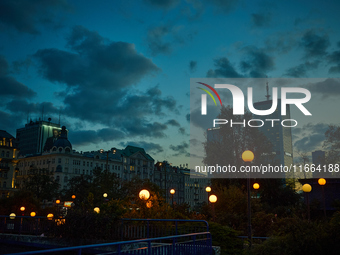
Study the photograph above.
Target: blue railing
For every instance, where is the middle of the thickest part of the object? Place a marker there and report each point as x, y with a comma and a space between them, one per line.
191, 244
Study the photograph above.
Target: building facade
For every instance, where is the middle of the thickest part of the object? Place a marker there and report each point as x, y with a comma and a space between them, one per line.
8, 163
189, 187
64, 163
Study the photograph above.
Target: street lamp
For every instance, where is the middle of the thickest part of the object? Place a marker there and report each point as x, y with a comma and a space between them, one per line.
208, 190
307, 188
256, 185
105, 195
172, 192
50, 216
248, 157
57, 201
322, 183
32, 214
12, 216
22, 208
96, 209
213, 199
144, 194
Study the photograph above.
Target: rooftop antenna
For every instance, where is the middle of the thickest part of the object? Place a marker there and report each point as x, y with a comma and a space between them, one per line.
267, 96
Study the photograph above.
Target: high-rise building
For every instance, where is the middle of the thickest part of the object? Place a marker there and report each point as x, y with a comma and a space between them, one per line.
279, 136
31, 139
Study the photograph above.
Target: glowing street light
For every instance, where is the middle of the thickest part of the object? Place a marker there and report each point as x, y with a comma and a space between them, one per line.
144, 194
105, 195
247, 157
12, 216
256, 185
32, 214
73, 196
50, 216
172, 192
57, 201
322, 183
307, 188
213, 200
96, 209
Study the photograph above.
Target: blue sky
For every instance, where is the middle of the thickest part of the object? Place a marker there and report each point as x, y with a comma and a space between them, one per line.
119, 71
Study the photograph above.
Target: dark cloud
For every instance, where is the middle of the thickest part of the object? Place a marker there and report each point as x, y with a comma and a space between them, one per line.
9, 122
180, 150
314, 45
311, 137
302, 69
22, 106
328, 87
9, 86
181, 130
94, 62
261, 19
164, 4
223, 6
162, 39
173, 123
334, 58
148, 147
100, 76
257, 62
89, 137
156, 42
204, 121
192, 66
224, 69
26, 16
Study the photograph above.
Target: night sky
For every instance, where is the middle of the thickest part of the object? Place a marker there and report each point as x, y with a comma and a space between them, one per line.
118, 72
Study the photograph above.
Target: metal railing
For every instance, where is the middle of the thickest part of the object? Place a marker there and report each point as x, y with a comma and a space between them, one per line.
25, 225
187, 244
150, 228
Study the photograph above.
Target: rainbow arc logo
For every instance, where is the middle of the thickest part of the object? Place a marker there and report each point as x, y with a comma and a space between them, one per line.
204, 97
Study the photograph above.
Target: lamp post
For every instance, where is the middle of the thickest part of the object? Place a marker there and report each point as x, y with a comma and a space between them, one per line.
248, 157
307, 188
322, 183
208, 190
213, 199
172, 192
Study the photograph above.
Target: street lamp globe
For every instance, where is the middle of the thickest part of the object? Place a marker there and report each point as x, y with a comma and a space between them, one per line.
12, 216
172, 191
144, 194
208, 189
212, 199
50, 216
73, 196
105, 195
57, 201
96, 209
247, 156
32, 214
22, 208
256, 185
322, 181
306, 188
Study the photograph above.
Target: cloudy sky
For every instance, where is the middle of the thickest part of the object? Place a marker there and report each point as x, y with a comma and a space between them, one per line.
118, 72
